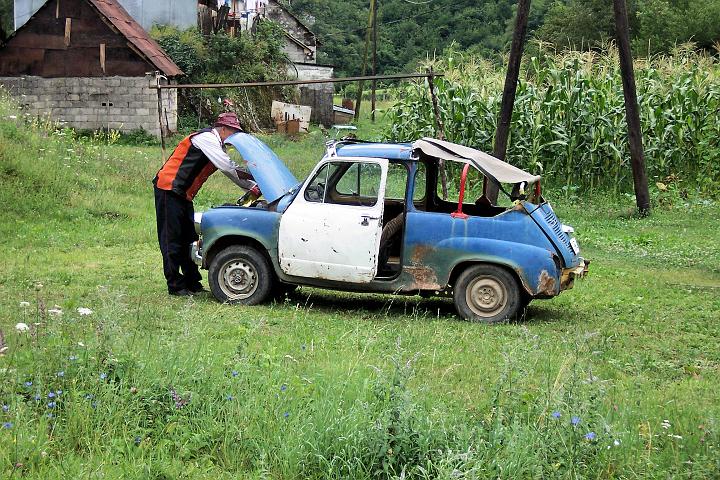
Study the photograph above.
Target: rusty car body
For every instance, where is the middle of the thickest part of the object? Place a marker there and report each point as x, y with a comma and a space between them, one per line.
370, 218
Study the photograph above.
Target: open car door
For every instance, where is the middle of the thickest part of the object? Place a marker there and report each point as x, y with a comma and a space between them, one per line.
332, 229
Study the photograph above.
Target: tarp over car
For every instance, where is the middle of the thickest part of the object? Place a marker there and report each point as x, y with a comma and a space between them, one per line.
493, 168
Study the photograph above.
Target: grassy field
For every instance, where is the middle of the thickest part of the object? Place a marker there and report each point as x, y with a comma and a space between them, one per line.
614, 379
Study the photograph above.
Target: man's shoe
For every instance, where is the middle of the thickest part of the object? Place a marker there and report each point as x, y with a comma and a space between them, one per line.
181, 293
197, 289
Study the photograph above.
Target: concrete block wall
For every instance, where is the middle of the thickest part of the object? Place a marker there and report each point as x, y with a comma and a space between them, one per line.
319, 96
119, 103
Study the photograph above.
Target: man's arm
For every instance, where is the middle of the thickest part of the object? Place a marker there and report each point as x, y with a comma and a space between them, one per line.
209, 143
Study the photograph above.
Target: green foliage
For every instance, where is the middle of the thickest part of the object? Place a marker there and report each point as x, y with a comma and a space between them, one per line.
569, 117
220, 58
7, 18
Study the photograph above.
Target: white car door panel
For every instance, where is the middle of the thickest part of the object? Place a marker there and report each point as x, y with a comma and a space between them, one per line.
320, 238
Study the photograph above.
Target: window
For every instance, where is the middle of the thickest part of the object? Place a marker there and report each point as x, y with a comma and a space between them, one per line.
473, 184
345, 183
420, 183
396, 185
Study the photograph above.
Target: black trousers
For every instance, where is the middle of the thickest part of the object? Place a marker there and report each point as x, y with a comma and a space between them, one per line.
176, 232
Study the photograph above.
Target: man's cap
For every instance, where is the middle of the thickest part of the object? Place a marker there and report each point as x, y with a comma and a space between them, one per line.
228, 119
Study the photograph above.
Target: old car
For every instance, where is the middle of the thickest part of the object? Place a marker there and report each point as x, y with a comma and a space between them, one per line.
372, 217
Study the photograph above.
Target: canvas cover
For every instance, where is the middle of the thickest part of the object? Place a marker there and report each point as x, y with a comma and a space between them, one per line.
493, 168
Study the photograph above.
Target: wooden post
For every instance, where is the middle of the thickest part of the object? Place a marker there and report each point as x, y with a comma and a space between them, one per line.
439, 128
361, 83
632, 111
490, 190
102, 57
160, 121
68, 29
374, 65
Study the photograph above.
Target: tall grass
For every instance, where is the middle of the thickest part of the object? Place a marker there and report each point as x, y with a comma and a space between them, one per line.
569, 117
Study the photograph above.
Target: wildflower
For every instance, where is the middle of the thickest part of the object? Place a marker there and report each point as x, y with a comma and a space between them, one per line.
93, 405
6, 408
283, 387
575, 420
83, 311
37, 397
234, 373
50, 415
103, 376
24, 304
138, 440
61, 373
55, 312
7, 425
73, 358
28, 383
38, 286
229, 397
22, 327
555, 414
665, 424
616, 442
286, 414
677, 437
51, 395
88, 396
590, 436
133, 390
58, 392
52, 405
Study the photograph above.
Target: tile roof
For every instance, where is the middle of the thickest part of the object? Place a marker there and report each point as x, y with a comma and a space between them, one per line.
137, 36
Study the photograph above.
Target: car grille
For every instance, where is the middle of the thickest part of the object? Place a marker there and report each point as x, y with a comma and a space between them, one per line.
556, 226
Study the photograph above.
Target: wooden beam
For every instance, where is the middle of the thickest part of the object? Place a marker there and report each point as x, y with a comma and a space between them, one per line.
490, 190
68, 29
102, 57
57, 9
632, 111
374, 64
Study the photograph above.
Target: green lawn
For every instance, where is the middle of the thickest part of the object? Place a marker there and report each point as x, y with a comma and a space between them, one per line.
338, 385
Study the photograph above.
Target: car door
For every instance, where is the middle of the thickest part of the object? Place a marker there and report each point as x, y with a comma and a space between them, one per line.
332, 229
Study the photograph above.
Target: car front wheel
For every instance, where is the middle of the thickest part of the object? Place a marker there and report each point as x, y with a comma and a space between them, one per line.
486, 293
240, 274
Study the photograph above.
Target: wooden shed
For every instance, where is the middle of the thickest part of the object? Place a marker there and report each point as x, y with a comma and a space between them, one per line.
89, 64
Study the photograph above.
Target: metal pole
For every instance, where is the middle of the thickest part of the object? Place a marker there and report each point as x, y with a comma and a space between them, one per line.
401, 76
440, 131
374, 65
361, 83
490, 190
632, 111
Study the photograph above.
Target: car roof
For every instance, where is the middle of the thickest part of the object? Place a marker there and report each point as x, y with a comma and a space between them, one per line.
391, 151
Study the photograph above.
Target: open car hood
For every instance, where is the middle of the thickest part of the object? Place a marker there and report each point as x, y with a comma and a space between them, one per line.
270, 173
493, 168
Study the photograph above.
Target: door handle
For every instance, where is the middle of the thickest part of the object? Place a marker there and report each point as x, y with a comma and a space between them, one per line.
366, 220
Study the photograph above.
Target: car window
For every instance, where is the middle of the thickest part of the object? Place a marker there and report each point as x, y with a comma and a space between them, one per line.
420, 183
346, 183
473, 184
315, 191
396, 182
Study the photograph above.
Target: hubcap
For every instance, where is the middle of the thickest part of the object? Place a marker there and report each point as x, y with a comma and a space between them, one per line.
238, 279
486, 296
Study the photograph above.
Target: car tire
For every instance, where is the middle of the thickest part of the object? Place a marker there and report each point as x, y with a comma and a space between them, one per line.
487, 293
240, 274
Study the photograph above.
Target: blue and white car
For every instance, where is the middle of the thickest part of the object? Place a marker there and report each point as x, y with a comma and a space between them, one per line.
371, 217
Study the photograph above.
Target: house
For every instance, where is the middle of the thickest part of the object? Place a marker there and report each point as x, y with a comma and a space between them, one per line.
90, 64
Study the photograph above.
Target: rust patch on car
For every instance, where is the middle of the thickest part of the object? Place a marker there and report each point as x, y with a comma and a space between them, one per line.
424, 278
419, 254
546, 284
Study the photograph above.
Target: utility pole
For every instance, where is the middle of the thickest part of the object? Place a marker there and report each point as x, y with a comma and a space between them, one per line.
374, 58
361, 83
632, 111
490, 190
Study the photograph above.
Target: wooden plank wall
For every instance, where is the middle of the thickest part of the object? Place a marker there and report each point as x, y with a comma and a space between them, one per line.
63, 40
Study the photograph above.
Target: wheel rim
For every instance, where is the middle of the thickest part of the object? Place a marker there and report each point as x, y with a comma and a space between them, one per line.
238, 279
486, 296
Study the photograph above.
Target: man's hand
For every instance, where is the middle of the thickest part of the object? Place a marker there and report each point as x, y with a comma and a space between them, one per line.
255, 191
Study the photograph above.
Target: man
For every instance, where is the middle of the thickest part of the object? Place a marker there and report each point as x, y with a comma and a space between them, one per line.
195, 158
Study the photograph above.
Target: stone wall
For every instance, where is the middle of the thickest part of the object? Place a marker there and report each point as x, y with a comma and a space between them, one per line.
119, 103
319, 96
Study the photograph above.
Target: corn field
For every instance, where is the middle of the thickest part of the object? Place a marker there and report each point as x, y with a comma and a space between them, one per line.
569, 118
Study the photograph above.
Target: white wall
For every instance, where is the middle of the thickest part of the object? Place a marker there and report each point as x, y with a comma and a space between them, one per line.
182, 13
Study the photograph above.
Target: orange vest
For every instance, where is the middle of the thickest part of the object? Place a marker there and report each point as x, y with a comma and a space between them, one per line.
186, 170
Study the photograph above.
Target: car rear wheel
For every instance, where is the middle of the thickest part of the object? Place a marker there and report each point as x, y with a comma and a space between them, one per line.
486, 293
240, 274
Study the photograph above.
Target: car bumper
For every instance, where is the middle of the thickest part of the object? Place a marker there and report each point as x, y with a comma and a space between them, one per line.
568, 276
196, 252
